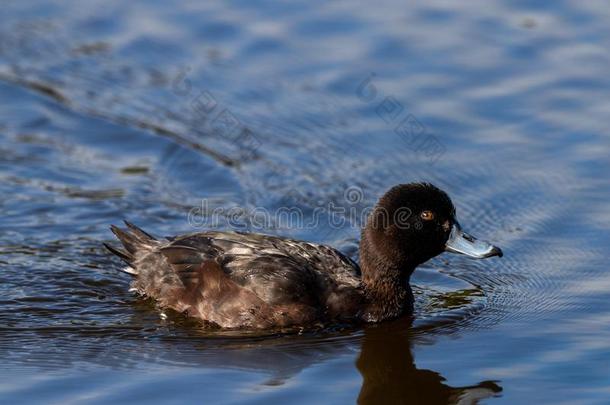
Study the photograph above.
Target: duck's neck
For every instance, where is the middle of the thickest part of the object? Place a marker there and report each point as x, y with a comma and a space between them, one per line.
386, 285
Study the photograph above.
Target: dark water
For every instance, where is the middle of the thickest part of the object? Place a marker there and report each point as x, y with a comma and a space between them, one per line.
144, 110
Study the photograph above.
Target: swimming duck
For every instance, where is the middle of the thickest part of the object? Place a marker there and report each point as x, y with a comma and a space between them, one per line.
255, 281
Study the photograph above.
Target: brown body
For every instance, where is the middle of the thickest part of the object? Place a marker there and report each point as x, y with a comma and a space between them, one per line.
234, 280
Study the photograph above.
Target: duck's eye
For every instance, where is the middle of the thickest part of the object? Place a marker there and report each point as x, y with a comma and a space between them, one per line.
427, 215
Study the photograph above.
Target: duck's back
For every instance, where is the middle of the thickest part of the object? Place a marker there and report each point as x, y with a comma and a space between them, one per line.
244, 280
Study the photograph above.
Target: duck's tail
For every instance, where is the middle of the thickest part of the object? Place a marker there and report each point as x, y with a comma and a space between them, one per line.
135, 241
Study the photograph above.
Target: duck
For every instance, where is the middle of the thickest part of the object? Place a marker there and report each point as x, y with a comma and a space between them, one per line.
237, 280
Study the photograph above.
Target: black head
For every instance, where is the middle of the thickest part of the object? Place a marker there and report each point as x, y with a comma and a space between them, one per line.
414, 222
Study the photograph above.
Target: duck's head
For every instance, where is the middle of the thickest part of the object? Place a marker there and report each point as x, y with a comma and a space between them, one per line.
412, 223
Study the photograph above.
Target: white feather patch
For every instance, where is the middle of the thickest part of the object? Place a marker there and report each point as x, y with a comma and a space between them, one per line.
239, 251
130, 270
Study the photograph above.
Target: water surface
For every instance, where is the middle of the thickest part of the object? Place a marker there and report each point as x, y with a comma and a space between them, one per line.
148, 111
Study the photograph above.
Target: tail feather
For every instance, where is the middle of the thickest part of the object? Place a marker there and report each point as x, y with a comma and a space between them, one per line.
139, 232
126, 257
128, 240
133, 239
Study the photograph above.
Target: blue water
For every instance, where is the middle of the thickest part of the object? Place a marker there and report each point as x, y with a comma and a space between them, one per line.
149, 110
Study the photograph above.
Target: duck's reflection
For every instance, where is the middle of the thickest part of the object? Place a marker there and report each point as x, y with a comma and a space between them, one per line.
386, 363
383, 356
390, 375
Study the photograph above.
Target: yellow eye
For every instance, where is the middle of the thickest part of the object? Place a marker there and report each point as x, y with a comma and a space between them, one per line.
427, 215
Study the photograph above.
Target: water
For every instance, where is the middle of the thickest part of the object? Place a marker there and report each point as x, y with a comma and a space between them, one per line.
141, 111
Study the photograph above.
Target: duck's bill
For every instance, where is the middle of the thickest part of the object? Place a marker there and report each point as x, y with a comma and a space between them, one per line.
463, 243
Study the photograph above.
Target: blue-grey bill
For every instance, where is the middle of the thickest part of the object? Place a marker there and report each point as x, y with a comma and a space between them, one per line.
463, 243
